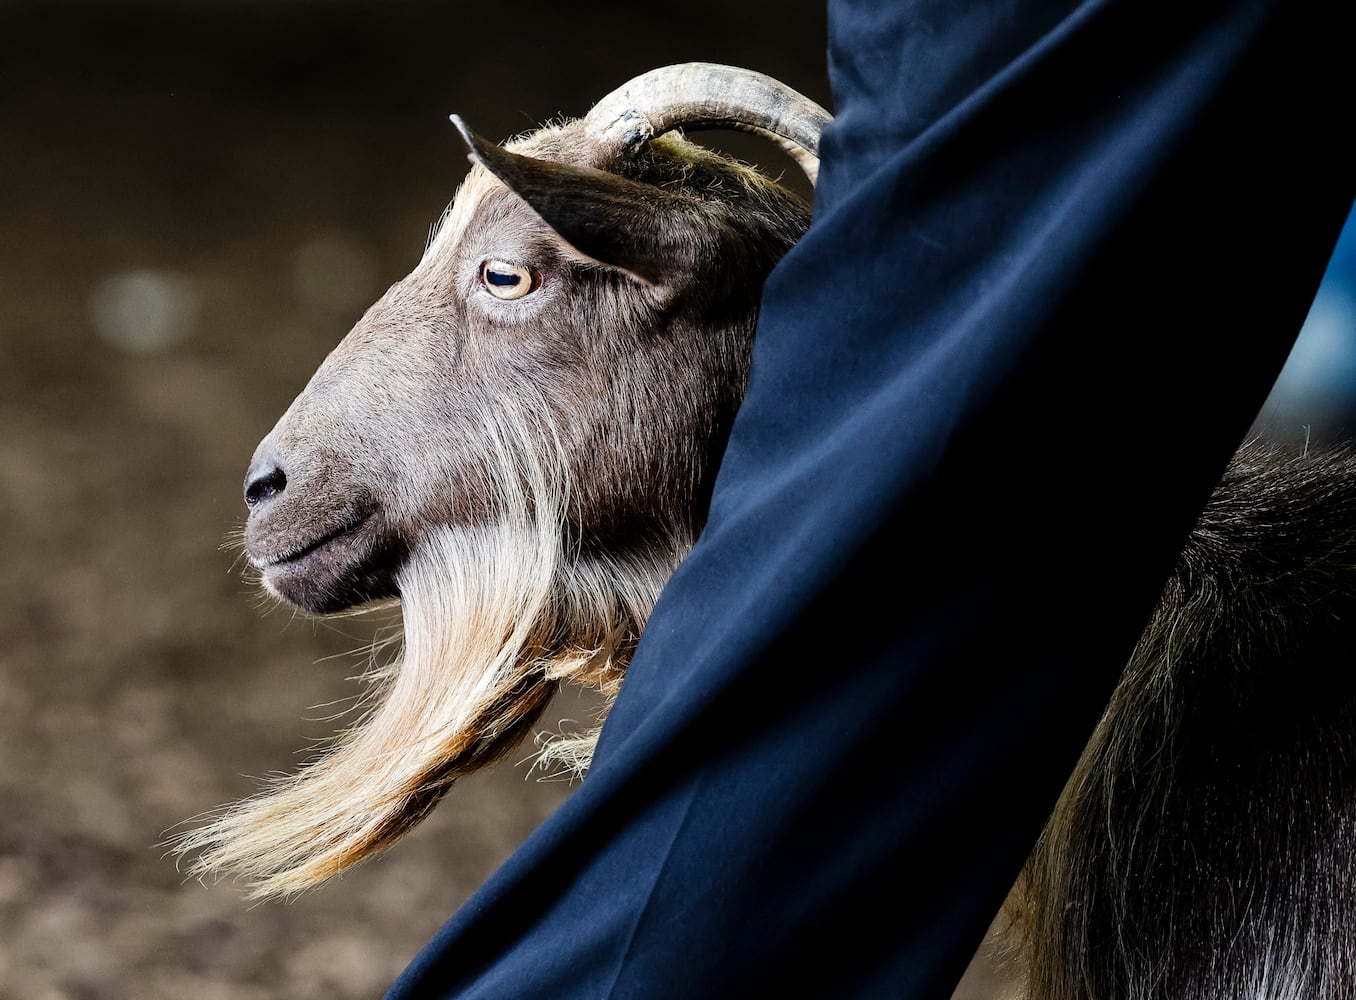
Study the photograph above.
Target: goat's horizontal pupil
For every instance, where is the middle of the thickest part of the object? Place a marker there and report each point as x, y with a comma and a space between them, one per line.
505, 280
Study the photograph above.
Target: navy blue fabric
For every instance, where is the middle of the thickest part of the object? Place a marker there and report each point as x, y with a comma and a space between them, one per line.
1059, 254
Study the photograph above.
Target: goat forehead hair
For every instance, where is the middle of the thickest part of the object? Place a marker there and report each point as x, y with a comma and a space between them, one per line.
450, 229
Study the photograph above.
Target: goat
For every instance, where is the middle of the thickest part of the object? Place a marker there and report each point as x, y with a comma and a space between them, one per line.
519, 439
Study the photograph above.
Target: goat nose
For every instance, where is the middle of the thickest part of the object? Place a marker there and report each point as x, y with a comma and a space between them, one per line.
264, 480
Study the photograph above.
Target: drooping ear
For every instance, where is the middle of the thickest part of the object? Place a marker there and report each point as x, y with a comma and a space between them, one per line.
623, 223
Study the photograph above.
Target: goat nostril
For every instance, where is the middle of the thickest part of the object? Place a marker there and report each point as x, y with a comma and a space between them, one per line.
264, 483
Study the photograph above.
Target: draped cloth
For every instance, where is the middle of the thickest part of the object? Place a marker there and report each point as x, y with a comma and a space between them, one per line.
1059, 254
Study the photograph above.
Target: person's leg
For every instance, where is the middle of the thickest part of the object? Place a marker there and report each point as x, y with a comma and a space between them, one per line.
1059, 255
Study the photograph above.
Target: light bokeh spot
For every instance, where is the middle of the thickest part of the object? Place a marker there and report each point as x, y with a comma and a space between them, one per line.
143, 311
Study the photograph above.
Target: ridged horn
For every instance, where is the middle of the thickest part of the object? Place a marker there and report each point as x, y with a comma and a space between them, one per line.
695, 96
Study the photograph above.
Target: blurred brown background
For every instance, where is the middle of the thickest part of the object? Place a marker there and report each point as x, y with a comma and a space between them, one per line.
197, 199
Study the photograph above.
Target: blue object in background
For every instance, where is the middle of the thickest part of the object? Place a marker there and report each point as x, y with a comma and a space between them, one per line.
1315, 395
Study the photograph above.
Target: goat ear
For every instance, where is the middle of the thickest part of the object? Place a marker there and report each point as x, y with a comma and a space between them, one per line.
616, 221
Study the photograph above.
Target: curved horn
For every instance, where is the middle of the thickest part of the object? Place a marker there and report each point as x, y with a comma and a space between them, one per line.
706, 96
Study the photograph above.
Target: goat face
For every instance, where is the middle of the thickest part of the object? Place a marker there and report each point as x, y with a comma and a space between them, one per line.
610, 359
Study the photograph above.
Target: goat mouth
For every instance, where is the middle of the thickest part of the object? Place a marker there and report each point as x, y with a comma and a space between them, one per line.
350, 564
300, 552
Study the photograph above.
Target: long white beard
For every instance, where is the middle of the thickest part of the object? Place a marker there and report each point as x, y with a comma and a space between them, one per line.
495, 616
479, 626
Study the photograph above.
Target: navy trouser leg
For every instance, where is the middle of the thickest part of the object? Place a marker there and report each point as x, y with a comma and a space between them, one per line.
1059, 254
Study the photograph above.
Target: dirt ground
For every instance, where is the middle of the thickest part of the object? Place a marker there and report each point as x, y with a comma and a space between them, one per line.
196, 202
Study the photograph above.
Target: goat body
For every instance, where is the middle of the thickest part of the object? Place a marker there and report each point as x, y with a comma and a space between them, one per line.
519, 439
1202, 847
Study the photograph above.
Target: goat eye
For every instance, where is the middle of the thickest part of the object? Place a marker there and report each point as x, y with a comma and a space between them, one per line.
506, 281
